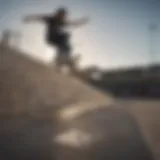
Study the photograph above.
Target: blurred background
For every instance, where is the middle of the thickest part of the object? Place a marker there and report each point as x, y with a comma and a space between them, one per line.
119, 49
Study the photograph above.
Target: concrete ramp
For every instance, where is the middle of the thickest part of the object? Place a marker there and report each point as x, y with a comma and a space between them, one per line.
32, 86
45, 115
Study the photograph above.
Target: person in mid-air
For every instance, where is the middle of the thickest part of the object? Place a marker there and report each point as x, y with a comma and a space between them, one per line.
56, 34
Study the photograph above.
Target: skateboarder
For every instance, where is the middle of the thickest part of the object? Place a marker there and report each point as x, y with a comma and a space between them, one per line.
56, 35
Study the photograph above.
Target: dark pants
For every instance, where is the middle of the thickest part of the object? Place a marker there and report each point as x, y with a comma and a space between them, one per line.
62, 43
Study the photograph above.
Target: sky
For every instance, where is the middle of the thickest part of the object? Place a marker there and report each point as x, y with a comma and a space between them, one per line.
117, 35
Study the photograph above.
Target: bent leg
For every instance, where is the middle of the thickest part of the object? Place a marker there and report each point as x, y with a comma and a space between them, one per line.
64, 51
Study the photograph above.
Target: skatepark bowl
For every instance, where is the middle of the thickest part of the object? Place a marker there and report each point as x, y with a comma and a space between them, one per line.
45, 115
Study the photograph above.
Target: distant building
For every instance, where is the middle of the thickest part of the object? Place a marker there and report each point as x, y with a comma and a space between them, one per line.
94, 72
6, 38
10, 38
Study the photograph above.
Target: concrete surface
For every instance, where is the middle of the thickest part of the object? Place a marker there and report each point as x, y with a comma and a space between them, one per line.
45, 115
24, 79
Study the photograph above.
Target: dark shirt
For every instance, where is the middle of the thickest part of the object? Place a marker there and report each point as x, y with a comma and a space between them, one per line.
55, 26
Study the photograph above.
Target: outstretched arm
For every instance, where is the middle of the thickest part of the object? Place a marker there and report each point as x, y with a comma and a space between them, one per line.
31, 18
78, 22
